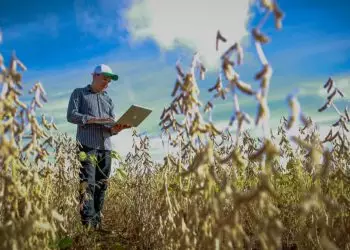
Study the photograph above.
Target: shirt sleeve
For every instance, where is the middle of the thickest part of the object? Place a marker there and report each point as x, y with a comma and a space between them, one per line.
112, 114
112, 111
73, 115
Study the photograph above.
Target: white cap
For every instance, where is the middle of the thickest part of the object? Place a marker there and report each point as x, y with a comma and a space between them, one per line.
105, 70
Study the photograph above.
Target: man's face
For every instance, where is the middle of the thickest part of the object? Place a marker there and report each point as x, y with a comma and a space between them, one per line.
101, 81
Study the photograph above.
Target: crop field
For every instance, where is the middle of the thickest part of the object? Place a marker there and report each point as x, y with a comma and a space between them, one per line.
215, 190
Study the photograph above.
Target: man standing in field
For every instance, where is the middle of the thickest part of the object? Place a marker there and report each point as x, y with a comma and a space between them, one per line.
89, 107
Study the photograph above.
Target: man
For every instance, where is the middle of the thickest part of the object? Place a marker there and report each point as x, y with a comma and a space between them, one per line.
89, 107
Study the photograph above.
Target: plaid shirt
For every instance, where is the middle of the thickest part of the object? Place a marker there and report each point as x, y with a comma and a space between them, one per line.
85, 104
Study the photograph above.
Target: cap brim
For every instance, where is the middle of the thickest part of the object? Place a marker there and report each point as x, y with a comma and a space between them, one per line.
114, 77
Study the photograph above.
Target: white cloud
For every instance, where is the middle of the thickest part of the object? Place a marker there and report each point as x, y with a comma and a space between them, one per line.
190, 23
122, 142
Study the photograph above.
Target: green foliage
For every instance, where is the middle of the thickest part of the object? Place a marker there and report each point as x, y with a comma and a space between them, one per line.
64, 243
116, 155
83, 156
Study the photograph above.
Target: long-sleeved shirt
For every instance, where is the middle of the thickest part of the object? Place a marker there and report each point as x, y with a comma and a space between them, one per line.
85, 104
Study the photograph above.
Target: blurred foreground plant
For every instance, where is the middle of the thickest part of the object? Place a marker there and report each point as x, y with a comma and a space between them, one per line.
35, 209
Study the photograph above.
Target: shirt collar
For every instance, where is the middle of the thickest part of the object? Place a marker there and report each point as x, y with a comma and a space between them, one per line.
89, 88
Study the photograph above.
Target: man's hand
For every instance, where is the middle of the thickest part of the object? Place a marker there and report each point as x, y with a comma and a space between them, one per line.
100, 120
119, 127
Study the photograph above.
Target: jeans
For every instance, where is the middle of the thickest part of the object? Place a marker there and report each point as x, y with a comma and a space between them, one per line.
93, 182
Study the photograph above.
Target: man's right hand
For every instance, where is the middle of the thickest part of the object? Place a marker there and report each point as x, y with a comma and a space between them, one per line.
98, 120
119, 127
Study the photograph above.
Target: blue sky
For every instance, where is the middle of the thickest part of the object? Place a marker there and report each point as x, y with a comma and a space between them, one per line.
61, 42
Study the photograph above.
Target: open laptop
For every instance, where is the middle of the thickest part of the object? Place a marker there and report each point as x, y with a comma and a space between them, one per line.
134, 116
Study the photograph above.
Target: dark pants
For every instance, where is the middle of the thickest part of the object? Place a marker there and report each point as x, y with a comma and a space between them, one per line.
93, 181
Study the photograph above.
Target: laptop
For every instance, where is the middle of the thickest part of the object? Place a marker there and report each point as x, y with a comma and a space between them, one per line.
133, 116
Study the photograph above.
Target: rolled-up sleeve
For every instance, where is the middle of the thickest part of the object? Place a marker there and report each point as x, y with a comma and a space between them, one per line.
111, 111
112, 115
73, 115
